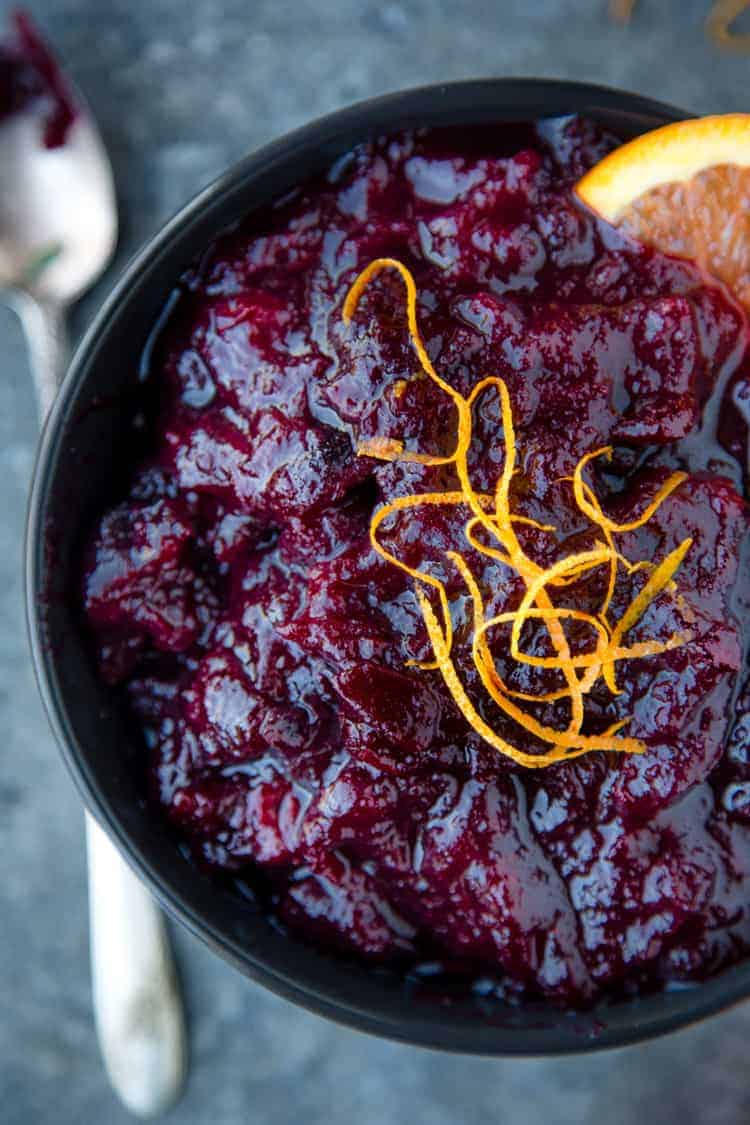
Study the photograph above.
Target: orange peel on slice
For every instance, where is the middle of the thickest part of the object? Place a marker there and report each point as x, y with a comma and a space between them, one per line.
685, 188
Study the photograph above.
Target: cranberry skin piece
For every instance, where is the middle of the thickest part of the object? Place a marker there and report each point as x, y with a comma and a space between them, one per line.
327, 535
272, 663
480, 233
338, 621
341, 906
664, 384
490, 891
388, 707
575, 144
172, 747
295, 467
376, 388
357, 809
634, 888
561, 797
370, 816
224, 710
566, 237
233, 534
136, 581
648, 782
238, 820
131, 541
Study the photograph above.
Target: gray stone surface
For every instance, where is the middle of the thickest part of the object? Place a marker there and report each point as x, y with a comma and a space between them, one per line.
181, 90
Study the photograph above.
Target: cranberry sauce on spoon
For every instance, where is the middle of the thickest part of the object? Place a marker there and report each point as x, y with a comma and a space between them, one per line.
31, 82
298, 711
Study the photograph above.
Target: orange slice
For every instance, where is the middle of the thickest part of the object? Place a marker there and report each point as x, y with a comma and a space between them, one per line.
685, 189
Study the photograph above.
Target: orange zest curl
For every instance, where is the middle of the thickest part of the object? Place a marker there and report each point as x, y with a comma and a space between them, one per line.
719, 21
719, 25
489, 530
383, 448
589, 505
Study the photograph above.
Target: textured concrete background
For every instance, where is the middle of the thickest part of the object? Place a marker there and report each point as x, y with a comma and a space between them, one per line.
181, 90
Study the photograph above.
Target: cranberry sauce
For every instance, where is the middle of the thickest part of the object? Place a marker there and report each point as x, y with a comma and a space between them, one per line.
263, 644
31, 82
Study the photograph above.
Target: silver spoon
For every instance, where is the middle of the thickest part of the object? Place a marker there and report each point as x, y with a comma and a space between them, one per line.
58, 227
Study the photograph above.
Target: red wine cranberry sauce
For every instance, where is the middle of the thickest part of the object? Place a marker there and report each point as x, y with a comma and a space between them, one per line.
262, 643
31, 83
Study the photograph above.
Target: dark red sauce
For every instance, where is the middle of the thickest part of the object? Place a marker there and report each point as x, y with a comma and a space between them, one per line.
261, 643
31, 82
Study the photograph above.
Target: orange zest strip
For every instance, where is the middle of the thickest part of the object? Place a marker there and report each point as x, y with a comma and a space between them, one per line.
350, 304
463, 407
585, 559
591, 496
719, 21
404, 503
533, 523
589, 505
352, 300
464, 704
525, 567
501, 526
503, 485
381, 448
490, 552
496, 689
518, 618
498, 541
658, 580
719, 25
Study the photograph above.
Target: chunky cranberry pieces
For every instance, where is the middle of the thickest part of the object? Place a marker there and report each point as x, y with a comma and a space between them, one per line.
264, 645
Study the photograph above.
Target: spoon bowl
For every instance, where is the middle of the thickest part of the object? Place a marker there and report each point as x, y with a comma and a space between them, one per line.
58, 216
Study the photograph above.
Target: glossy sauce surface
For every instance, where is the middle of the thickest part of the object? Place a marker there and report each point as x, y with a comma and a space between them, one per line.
262, 644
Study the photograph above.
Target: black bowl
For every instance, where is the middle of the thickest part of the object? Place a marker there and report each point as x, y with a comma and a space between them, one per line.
83, 454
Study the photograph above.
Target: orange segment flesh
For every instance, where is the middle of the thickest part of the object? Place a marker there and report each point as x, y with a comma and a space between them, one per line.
685, 189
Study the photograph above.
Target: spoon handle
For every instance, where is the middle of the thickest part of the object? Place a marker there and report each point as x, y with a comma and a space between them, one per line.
47, 341
137, 1004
